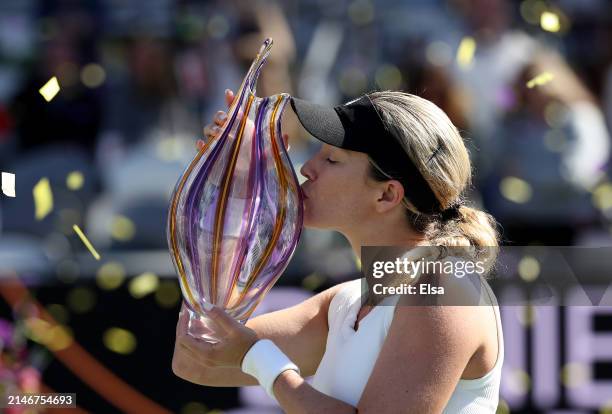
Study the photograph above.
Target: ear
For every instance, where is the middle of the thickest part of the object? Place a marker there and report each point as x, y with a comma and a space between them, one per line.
391, 194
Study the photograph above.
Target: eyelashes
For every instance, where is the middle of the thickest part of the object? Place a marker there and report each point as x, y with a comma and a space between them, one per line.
329, 160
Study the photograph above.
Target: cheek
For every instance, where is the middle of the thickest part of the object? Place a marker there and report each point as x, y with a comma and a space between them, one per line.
354, 203
337, 201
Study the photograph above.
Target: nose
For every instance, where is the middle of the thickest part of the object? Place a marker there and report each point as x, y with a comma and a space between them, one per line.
307, 170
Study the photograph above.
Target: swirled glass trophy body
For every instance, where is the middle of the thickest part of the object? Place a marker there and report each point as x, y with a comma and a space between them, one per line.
236, 213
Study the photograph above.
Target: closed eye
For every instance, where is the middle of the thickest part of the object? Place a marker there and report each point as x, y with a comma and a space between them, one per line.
329, 160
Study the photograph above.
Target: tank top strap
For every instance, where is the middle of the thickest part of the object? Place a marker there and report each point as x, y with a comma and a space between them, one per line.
342, 303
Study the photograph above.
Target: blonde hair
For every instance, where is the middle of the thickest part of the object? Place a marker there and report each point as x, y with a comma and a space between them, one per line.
437, 149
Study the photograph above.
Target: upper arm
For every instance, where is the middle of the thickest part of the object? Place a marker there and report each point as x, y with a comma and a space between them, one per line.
299, 331
421, 361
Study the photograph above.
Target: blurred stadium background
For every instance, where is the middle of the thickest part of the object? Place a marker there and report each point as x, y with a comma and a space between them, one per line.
529, 83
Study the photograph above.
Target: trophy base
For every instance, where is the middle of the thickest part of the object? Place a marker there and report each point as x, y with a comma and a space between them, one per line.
202, 327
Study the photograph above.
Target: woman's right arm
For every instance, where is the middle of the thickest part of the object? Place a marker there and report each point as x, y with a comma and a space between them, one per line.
299, 331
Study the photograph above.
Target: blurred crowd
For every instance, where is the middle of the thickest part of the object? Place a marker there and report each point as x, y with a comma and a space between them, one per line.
528, 83
139, 80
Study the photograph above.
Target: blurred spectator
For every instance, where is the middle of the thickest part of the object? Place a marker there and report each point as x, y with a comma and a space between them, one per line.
550, 150
164, 65
500, 54
435, 83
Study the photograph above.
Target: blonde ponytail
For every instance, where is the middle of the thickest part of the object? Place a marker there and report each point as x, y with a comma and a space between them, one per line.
478, 227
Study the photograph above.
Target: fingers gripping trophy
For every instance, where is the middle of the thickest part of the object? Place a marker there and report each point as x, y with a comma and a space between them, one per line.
236, 213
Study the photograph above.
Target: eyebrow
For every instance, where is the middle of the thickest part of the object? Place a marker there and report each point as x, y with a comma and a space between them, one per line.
342, 152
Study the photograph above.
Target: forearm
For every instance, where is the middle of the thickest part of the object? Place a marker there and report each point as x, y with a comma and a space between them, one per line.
296, 396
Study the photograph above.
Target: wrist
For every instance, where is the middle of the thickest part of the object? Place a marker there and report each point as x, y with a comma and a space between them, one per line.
266, 362
253, 341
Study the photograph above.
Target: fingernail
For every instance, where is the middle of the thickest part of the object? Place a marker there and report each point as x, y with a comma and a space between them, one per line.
216, 129
207, 306
222, 116
227, 91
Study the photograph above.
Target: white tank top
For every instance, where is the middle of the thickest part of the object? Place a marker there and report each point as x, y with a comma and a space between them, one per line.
350, 355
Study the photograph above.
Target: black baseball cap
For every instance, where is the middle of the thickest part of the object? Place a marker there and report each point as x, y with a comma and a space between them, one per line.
357, 126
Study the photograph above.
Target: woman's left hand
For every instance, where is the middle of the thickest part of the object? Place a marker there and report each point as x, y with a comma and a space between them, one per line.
234, 339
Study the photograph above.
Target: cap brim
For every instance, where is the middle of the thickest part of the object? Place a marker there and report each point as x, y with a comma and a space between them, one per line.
320, 121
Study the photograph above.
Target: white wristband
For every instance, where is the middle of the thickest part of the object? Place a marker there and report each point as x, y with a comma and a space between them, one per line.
265, 361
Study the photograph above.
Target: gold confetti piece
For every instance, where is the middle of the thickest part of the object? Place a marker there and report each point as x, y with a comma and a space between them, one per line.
59, 337
36, 329
110, 276
119, 340
313, 281
122, 228
529, 268
515, 189
54, 337
43, 199
575, 374
503, 407
167, 294
602, 196
85, 241
93, 75
8, 184
465, 52
388, 77
75, 180
541, 79
144, 284
50, 89
549, 21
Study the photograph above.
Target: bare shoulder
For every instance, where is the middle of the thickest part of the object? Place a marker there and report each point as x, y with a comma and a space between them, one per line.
325, 298
469, 332
443, 317
458, 324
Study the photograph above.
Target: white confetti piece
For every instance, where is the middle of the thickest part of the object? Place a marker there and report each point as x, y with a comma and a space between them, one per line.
8, 184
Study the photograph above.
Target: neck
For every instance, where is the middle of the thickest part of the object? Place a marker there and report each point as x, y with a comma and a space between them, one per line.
383, 234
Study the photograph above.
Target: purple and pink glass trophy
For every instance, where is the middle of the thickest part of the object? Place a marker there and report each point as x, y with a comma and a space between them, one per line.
236, 213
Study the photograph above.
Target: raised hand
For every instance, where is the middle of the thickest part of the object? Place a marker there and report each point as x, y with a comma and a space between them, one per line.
213, 129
